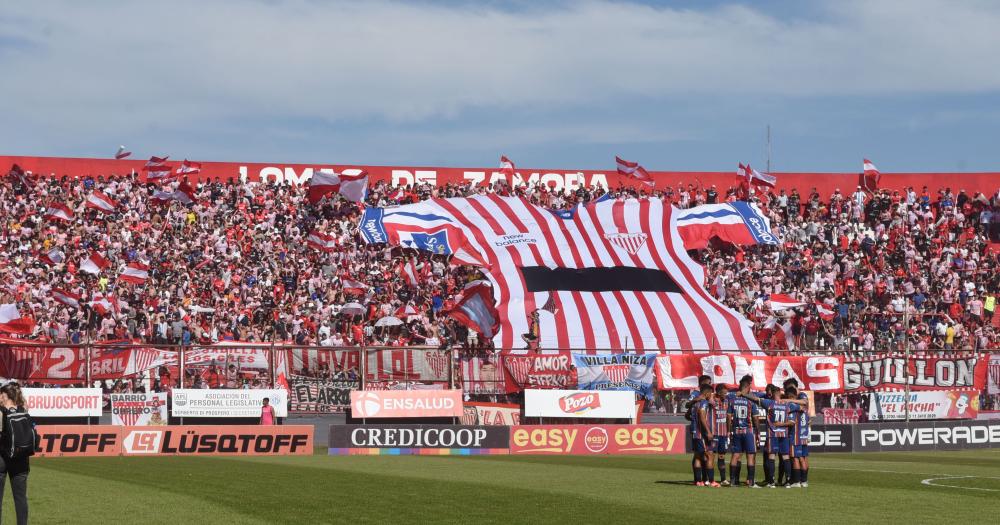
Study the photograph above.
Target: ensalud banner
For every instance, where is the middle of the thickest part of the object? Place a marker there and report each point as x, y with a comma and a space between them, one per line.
406, 403
893, 372
139, 409
597, 439
227, 403
538, 371
320, 396
63, 402
933, 404
632, 372
211, 440
815, 373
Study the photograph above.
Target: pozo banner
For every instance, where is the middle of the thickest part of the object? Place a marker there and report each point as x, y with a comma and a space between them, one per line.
937, 404
921, 373
579, 403
538, 371
597, 439
64, 402
106, 440
320, 396
632, 372
227, 403
815, 373
418, 439
139, 409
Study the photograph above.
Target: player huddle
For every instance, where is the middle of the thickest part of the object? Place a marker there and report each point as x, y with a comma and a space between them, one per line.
728, 422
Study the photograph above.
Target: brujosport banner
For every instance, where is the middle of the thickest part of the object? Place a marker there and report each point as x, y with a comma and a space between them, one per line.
632, 372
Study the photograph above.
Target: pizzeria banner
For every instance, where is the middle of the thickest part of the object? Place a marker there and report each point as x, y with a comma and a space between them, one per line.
538, 371
892, 372
491, 414
633, 372
931, 404
320, 396
816, 373
139, 409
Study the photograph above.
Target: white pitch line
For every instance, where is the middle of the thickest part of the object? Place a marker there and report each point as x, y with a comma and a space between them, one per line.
884, 471
930, 482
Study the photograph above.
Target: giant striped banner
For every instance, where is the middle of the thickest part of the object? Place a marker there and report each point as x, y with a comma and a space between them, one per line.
617, 270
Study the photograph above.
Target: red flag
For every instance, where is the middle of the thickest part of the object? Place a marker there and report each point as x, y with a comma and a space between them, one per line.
506, 166
58, 212
321, 241
870, 176
66, 297
322, 183
189, 168
135, 273
409, 272
475, 309
633, 170
122, 153
101, 202
11, 320
94, 263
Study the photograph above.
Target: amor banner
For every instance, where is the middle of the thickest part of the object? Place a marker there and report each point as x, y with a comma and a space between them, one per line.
816, 373
538, 371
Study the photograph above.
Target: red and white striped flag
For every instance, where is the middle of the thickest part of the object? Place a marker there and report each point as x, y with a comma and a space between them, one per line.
58, 212
633, 170
322, 183
870, 176
156, 168
52, 257
507, 166
13, 322
406, 311
409, 272
135, 273
321, 241
825, 312
189, 168
352, 286
101, 202
757, 178
354, 185
185, 193
104, 304
780, 301
122, 153
66, 297
95, 263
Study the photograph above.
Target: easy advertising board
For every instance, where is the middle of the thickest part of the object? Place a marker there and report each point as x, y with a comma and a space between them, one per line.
418, 439
203, 440
406, 403
195, 402
580, 403
597, 439
63, 402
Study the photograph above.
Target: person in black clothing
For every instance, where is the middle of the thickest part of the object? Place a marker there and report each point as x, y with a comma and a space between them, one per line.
12, 400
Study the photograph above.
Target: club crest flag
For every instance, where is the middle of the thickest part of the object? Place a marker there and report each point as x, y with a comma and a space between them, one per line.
616, 372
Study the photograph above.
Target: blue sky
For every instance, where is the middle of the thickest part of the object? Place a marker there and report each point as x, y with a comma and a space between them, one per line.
687, 85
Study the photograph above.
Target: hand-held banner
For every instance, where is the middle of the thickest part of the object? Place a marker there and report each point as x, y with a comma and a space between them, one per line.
522, 372
816, 373
632, 372
894, 372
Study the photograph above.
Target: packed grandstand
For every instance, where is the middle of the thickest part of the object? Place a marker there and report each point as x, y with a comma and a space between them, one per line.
202, 262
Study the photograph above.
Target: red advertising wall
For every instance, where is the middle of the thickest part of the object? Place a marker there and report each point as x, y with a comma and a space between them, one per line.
826, 183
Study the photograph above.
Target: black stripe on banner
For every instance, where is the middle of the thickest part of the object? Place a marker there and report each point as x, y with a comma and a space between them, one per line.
614, 279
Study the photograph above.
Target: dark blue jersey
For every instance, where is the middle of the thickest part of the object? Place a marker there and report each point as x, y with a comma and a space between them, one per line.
699, 408
801, 434
777, 412
742, 411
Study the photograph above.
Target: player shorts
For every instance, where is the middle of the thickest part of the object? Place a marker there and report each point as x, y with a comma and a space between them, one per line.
800, 451
744, 443
778, 445
721, 445
698, 444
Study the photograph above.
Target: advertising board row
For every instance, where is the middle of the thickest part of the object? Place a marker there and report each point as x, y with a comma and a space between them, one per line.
151, 408
641, 439
208, 440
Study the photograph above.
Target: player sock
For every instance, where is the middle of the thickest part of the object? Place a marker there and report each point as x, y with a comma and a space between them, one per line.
781, 471
804, 475
769, 471
786, 467
734, 472
795, 476
711, 475
751, 470
697, 474
722, 469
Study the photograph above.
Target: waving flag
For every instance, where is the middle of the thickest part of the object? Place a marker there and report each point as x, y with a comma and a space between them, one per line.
354, 185
870, 176
135, 273
185, 193
18, 173
506, 166
66, 297
105, 304
12, 322
157, 169
825, 312
321, 241
406, 311
95, 263
409, 271
121, 154
757, 178
101, 202
613, 291
189, 168
634, 171
352, 286
781, 301
52, 257
735, 222
323, 183
474, 309
58, 212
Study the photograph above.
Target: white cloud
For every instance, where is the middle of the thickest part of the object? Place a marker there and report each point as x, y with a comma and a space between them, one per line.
132, 66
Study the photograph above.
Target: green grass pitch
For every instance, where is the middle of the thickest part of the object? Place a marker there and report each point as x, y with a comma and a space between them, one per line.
924, 487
